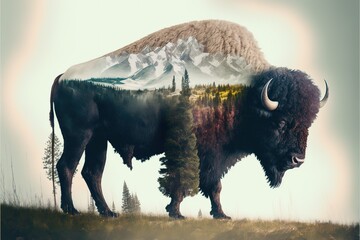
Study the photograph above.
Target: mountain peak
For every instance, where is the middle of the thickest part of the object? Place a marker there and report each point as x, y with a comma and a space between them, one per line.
154, 68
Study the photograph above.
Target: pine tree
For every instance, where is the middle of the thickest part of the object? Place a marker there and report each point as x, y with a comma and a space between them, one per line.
137, 208
200, 214
130, 202
217, 100
113, 207
15, 200
49, 163
173, 87
91, 205
186, 78
180, 171
182, 85
185, 84
126, 199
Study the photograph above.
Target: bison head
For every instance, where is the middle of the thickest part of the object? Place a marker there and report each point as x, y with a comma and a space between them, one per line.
286, 103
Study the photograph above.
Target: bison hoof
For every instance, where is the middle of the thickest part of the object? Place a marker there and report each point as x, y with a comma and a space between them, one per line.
220, 216
109, 214
176, 216
174, 212
70, 210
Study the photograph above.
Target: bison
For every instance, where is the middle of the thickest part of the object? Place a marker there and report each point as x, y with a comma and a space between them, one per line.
269, 118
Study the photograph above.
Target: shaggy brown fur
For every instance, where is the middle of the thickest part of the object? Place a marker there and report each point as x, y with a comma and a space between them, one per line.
217, 37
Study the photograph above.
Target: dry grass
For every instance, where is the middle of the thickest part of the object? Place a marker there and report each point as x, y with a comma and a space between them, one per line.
32, 223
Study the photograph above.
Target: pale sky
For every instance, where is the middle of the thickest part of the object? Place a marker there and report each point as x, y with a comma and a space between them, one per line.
42, 38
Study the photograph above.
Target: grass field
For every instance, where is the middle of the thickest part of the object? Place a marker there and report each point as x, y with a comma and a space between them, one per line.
31, 223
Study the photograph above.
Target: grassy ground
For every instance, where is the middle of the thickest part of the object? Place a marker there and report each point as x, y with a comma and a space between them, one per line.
29, 223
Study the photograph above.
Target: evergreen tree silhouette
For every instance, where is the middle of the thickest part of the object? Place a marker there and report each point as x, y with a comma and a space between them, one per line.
180, 165
173, 86
130, 202
200, 214
135, 204
185, 84
126, 199
49, 163
113, 208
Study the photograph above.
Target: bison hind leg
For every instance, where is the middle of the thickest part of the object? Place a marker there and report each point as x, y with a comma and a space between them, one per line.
73, 149
95, 158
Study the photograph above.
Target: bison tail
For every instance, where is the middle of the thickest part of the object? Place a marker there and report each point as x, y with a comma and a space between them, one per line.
51, 118
52, 96
51, 115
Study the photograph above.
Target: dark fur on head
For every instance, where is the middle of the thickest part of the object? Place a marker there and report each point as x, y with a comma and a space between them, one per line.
277, 136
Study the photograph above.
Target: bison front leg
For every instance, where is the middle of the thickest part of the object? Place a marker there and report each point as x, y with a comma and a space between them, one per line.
210, 185
216, 209
174, 207
95, 158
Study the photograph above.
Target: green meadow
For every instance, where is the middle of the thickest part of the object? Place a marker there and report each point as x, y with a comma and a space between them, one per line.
40, 223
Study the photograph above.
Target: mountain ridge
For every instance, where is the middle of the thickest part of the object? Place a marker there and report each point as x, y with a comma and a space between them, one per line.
154, 68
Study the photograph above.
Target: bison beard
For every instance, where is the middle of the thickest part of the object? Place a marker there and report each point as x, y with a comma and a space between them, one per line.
273, 176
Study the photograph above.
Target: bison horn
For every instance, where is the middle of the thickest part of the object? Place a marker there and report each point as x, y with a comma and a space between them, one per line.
267, 103
326, 96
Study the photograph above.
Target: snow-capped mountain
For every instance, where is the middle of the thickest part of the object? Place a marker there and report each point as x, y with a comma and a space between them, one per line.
155, 68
